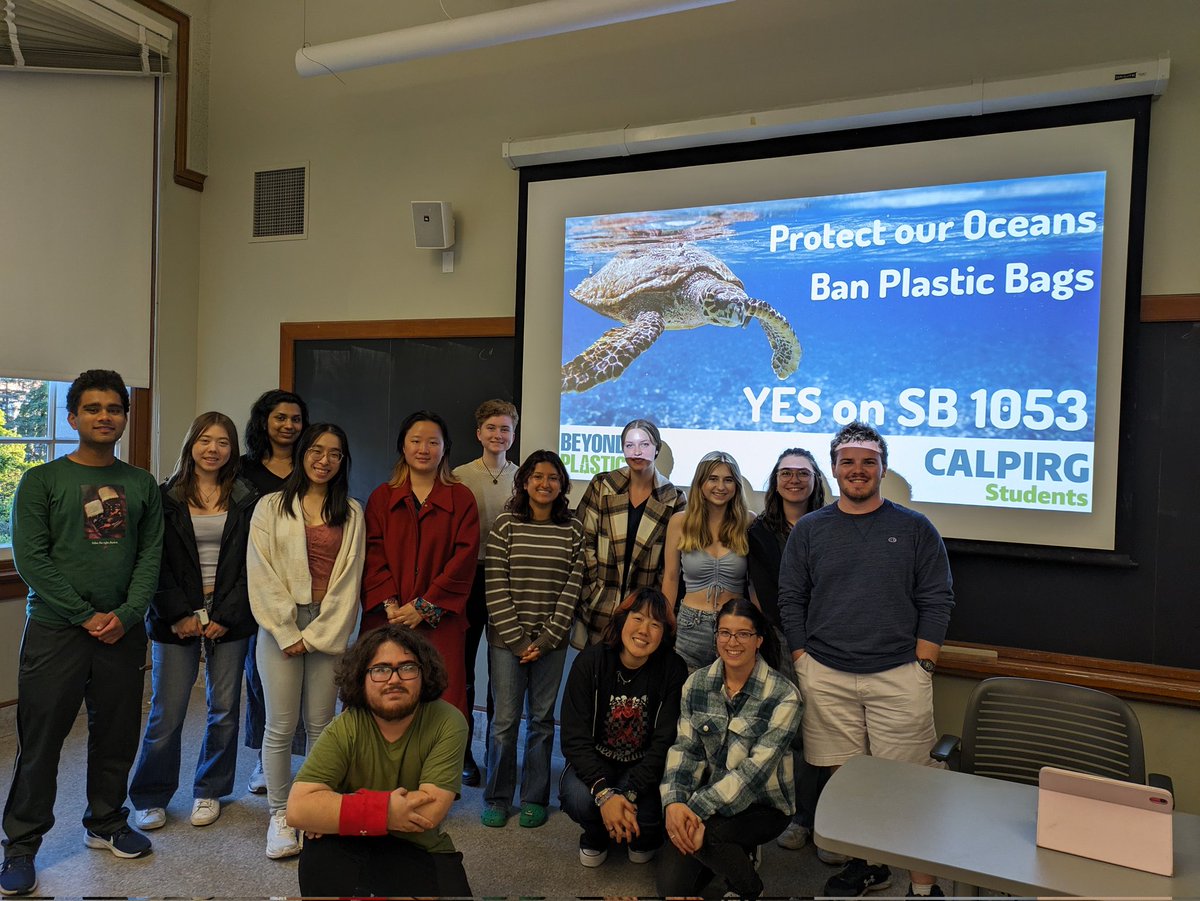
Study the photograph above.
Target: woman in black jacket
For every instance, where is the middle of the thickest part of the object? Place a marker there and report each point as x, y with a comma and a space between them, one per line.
201, 604
619, 715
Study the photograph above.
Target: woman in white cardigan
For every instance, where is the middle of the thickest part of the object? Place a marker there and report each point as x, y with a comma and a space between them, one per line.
304, 568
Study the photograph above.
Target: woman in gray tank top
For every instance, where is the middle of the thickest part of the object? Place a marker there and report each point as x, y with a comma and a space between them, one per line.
707, 543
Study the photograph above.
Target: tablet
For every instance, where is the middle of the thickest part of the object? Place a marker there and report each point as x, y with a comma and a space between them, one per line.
1106, 819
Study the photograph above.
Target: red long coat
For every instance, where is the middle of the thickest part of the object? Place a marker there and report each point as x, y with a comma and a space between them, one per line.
427, 553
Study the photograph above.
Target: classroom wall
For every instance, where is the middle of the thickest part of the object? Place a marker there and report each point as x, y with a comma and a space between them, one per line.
431, 130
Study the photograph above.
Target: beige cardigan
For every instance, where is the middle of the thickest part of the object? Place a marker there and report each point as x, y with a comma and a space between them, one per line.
279, 580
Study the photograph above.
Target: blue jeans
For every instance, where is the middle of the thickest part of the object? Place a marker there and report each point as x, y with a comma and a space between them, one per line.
696, 637
577, 803
512, 683
175, 668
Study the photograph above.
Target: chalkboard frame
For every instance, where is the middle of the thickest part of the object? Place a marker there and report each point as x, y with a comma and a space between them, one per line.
365, 329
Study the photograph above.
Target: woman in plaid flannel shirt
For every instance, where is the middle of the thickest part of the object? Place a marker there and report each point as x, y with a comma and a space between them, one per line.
728, 783
624, 515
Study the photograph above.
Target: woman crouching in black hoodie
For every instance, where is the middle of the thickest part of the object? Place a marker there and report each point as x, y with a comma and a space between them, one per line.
619, 715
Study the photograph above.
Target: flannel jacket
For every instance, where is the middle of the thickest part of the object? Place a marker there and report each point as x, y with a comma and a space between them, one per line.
729, 755
604, 512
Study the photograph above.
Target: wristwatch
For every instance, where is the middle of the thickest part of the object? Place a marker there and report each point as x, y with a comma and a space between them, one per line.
928, 665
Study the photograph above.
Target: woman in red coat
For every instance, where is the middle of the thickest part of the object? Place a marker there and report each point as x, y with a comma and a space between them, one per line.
422, 544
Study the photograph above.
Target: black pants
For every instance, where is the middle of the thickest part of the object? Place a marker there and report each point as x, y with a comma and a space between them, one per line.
723, 863
476, 621
341, 866
61, 669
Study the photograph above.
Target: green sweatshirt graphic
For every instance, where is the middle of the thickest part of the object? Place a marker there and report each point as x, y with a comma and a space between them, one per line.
86, 540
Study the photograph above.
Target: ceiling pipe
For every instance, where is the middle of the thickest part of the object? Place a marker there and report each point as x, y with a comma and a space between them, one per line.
533, 20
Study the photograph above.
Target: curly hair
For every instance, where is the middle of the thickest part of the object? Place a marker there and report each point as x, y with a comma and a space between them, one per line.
350, 676
96, 380
772, 515
518, 504
853, 433
495, 407
653, 603
258, 445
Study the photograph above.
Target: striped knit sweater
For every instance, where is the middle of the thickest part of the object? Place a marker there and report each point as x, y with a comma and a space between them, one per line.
534, 571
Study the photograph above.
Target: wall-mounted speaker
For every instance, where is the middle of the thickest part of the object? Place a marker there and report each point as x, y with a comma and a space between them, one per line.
433, 224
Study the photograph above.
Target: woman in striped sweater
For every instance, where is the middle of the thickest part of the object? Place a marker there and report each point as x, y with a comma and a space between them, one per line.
534, 567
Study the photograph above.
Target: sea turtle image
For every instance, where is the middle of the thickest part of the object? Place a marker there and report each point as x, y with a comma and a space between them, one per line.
670, 286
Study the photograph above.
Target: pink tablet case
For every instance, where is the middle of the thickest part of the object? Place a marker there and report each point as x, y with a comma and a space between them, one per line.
1106, 819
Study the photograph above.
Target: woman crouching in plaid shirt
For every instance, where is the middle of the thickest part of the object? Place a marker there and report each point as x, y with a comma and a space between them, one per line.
728, 785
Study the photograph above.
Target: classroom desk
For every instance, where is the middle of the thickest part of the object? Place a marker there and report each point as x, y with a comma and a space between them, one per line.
977, 831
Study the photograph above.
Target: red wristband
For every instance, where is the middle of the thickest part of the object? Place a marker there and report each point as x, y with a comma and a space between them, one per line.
364, 813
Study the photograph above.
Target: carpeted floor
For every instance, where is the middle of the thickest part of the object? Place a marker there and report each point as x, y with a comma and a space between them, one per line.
226, 859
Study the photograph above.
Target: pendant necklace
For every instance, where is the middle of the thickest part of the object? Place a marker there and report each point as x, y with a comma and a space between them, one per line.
495, 475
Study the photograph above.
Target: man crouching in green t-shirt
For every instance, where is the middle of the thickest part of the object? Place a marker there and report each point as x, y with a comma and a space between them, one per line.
374, 790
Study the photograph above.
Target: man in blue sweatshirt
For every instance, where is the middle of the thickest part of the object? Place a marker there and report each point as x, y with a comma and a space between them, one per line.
865, 598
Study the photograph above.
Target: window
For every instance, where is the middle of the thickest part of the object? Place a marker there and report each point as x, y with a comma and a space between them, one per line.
33, 430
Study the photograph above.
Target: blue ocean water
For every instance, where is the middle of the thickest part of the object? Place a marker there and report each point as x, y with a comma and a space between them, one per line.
871, 349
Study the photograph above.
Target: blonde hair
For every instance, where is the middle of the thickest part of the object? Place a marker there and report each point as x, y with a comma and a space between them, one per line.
736, 521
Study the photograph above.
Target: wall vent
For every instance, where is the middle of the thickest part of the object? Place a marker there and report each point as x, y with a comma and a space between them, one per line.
280, 204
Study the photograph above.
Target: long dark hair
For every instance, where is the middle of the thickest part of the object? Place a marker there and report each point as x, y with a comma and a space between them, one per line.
258, 445
518, 504
185, 469
351, 673
336, 509
772, 516
654, 604
400, 470
743, 607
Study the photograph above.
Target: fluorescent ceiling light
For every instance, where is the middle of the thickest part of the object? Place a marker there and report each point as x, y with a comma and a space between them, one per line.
533, 20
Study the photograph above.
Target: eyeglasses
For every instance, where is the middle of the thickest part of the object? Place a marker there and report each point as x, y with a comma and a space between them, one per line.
382, 672
802, 475
333, 456
744, 636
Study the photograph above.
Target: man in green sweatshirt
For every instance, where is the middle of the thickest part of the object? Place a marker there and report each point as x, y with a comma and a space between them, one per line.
87, 537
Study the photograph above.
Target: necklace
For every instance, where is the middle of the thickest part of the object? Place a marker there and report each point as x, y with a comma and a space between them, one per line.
495, 475
207, 499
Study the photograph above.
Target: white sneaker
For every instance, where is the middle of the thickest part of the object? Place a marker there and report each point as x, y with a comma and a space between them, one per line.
258, 779
591, 857
832, 858
205, 811
282, 839
641, 856
794, 837
150, 818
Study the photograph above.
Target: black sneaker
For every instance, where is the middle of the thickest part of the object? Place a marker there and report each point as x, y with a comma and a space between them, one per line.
470, 774
858, 878
935, 891
17, 875
125, 842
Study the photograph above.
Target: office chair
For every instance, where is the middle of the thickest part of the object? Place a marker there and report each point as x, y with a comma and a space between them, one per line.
1014, 727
